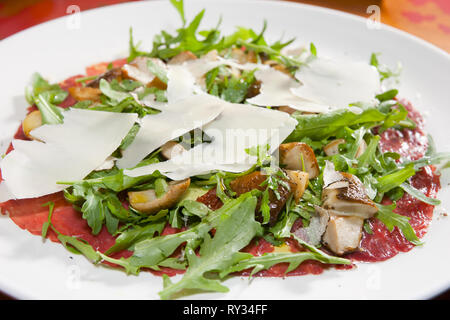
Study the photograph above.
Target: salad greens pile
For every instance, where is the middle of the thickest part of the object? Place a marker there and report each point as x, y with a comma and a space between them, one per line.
212, 240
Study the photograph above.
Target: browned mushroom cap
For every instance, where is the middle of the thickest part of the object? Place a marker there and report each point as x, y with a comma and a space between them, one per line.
109, 75
298, 155
172, 149
298, 181
138, 70
147, 202
343, 234
348, 197
31, 122
333, 147
277, 66
253, 181
85, 93
253, 89
243, 57
182, 57
287, 109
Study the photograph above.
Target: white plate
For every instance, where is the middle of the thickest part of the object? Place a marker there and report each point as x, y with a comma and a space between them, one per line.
58, 49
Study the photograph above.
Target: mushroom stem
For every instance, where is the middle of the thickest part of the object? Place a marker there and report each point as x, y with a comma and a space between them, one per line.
147, 201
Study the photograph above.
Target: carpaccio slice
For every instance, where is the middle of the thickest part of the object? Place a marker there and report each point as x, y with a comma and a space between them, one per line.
30, 214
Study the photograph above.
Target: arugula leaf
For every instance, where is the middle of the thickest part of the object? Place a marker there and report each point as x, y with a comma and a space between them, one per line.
161, 187
150, 252
114, 95
267, 260
40, 85
436, 158
82, 104
87, 78
94, 211
155, 69
321, 126
46, 224
129, 138
235, 89
282, 229
194, 208
78, 246
312, 49
179, 5
233, 233
98, 204
391, 219
273, 53
369, 157
383, 70
135, 234
419, 195
394, 179
50, 113
387, 95
133, 51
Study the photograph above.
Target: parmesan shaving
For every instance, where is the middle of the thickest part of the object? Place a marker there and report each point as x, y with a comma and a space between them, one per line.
238, 128
277, 90
337, 84
68, 151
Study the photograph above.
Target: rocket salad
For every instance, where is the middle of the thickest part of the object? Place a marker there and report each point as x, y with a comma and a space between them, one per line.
171, 196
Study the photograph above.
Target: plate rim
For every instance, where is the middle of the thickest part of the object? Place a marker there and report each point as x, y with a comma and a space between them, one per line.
437, 50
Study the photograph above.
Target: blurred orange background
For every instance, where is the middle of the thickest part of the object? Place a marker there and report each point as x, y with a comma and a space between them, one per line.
427, 19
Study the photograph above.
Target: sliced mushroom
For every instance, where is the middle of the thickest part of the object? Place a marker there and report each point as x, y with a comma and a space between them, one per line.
32, 121
138, 69
172, 149
147, 202
343, 234
348, 197
243, 57
85, 93
298, 155
253, 181
298, 181
253, 89
109, 75
182, 57
333, 147
287, 109
345, 199
278, 66
157, 83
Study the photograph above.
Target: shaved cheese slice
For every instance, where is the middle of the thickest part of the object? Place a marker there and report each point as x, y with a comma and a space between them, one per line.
277, 90
331, 178
211, 60
175, 120
336, 83
5, 194
238, 128
107, 164
68, 151
180, 84
138, 69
